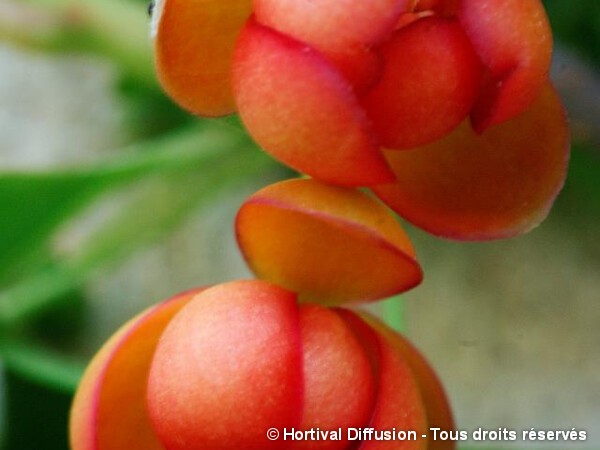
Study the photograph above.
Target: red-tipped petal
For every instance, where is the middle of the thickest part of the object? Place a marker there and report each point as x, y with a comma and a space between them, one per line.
477, 187
329, 244
228, 367
399, 403
430, 78
109, 409
338, 377
302, 111
194, 43
514, 40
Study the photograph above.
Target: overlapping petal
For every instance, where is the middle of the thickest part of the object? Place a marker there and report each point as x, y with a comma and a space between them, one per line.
435, 400
228, 368
399, 404
343, 30
221, 366
332, 25
428, 85
302, 111
329, 244
108, 412
514, 40
484, 186
325, 86
335, 364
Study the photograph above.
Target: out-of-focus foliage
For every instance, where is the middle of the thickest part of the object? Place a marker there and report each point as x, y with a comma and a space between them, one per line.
577, 23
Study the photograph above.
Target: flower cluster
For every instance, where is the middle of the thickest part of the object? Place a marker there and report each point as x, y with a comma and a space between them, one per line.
225, 364
442, 107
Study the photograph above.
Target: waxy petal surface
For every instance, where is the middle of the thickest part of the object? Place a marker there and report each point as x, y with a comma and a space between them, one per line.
332, 25
428, 85
399, 403
338, 377
329, 244
109, 410
477, 187
342, 30
228, 367
514, 40
194, 43
437, 406
301, 110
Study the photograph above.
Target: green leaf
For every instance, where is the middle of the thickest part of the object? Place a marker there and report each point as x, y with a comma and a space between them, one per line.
33, 205
165, 200
41, 365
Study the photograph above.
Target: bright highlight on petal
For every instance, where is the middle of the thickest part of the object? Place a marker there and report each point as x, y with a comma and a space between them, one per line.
109, 411
228, 368
301, 110
193, 47
476, 187
329, 244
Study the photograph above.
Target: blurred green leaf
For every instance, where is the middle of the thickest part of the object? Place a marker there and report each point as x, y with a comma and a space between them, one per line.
173, 186
33, 205
37, 415
41, 365
580, 198
577, 23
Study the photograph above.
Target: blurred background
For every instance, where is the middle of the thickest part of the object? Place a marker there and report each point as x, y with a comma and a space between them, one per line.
111, 199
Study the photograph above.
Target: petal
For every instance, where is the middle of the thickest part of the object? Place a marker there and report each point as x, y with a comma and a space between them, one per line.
477, 187
228, 368
399, 404
412, 104
343, 30
360, 67
338, 377
194, 43
327, 243
439, 414
514, 40
300, 109
109, 409
332, 25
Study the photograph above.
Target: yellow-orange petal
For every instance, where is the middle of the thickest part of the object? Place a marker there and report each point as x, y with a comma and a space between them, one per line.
514, 40
300, 109
194, 43
493, 185
329, 244
228, 367
109, 409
